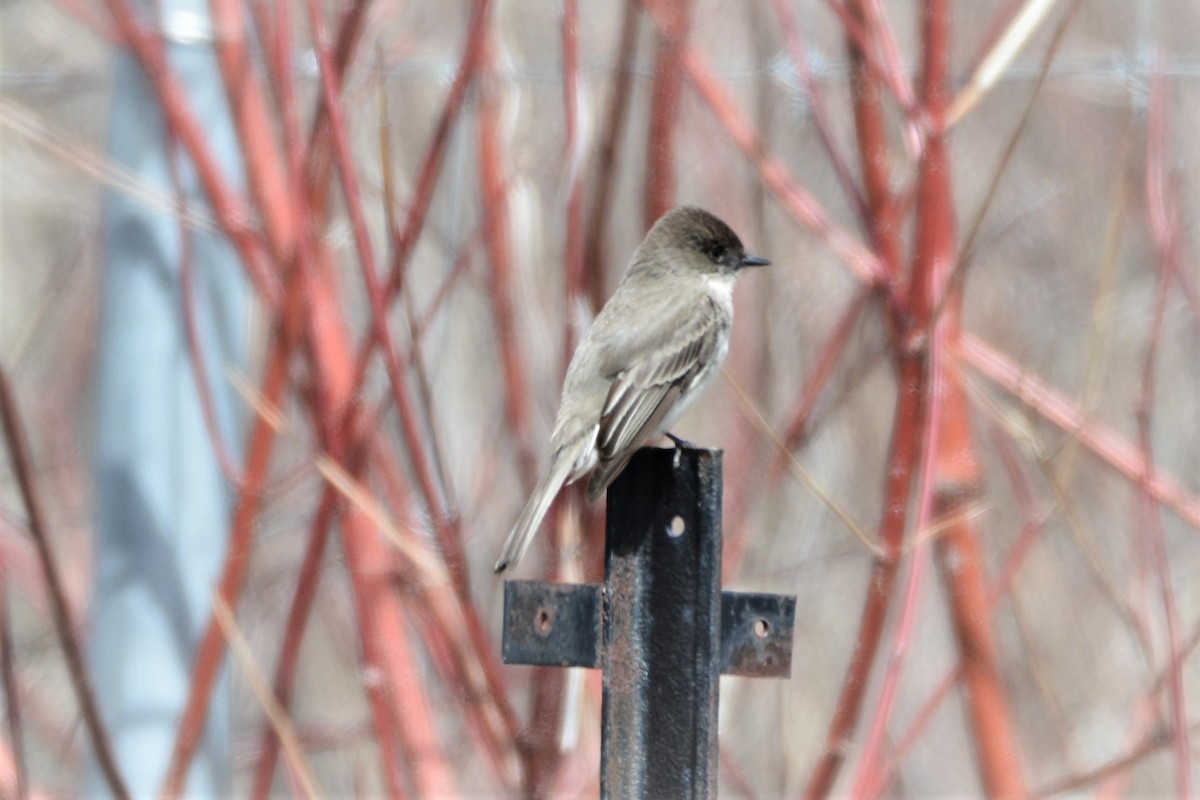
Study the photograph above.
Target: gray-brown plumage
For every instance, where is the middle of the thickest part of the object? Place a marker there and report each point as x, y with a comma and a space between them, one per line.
655, 346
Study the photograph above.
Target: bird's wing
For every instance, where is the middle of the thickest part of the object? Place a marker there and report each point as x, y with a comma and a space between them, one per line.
643, 392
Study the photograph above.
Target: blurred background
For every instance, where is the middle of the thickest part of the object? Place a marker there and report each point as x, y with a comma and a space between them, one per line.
287, 291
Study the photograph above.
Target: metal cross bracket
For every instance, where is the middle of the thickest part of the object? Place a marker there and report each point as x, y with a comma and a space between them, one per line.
559, 625
659, 627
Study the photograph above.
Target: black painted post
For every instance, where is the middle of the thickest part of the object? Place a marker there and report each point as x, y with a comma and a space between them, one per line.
660, 627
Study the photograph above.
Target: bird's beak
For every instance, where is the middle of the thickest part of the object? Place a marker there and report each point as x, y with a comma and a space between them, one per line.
753, 261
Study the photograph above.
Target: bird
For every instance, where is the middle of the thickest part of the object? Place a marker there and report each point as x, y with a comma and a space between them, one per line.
654, 348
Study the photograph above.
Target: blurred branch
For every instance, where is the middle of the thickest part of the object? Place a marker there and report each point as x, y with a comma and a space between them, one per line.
816, 102
21, 120
966, 251
575, 158
429, 763
415, 357
494, 196
9, 779
334, 409
405, 240
957, 476
951, 474
319, 162
265, 176
1105, 443
1017, 432
874, 160
1030, 531
797, 469
673, 18
228, 207
867, 30
339, 377
909, 413
985, 76
195, 349
1149, 525
595, 255
903, 451
22, 465
894, 74
210, 649
333, 347
798, 202
1157, 739
87, 13
376, 292
429, 773
12, 699
262, 692
303, 598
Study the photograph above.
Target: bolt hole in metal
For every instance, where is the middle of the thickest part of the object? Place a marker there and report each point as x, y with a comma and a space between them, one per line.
544, 620
762, 628
677, 527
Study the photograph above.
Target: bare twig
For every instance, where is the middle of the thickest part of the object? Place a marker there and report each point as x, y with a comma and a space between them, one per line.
210, 650
659, 189
494, 194
816, 102
404, 241
610, 142
958, 472
985, 76
262, 692
797, 469
12, 699
798, 201
1149, 525
226, 204
1105, 443
20, 459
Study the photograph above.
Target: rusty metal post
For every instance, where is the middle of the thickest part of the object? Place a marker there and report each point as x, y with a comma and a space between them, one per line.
662, 627
659, 626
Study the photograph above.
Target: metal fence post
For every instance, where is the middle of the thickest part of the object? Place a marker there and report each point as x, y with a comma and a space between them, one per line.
660, 627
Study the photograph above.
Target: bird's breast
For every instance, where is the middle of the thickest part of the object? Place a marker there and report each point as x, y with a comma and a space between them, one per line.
720, 289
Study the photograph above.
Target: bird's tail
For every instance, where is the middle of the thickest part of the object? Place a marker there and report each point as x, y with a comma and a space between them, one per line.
533, 513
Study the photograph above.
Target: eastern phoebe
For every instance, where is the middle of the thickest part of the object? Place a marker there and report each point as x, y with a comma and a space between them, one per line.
657, 344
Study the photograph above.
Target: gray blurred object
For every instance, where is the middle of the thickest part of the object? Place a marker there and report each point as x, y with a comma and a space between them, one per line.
163, 504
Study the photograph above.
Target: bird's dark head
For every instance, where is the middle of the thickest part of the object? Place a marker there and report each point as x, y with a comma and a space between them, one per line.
708, 244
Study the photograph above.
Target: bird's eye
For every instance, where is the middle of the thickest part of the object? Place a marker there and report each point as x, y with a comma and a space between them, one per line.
713, 250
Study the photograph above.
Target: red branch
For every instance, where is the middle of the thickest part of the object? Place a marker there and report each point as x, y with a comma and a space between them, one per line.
405, 240
229, 208
659, 188
908, 416
812, 95
1149, 525
902, 458
265, 175
796, 200
500, 275
573, 250
19, 457
1110, 447
958, 475
606, 160
211, 648
18, 781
